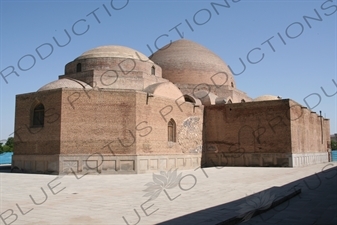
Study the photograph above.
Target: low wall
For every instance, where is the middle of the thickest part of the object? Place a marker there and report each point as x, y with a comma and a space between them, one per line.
265, 159
306, 159
103, 164
248, 159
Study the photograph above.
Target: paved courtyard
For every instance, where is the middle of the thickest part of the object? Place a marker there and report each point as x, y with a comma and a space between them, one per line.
200, 196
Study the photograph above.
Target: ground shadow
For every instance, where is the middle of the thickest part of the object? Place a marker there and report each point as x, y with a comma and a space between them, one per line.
273, 200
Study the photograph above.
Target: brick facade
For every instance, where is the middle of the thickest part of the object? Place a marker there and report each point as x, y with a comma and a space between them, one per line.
115, 111
267, 133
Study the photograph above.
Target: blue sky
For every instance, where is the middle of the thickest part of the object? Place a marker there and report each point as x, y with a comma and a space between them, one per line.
300, 54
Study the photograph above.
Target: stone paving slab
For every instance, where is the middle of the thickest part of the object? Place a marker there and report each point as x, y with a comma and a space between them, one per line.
200, 196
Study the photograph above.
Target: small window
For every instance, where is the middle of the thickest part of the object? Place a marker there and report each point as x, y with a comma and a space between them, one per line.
38, 116
232, 84
79, 67
242, 100
153, 70
189, 99
171, 131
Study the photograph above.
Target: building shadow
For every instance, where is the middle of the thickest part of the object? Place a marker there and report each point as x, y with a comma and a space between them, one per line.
265, 204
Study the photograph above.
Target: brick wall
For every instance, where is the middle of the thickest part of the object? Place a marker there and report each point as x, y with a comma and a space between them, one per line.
29, 140
309, 131
92, 120
252, 127
156, 114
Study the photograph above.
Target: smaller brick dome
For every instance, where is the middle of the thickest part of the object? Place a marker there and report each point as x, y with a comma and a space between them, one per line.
65, 83
166, 90
113, 58
267, 98
113, 51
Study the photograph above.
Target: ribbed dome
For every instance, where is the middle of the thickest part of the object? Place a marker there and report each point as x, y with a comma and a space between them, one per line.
187, 62
112, 51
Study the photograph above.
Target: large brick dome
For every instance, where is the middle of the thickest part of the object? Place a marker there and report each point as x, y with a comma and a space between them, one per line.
186, 62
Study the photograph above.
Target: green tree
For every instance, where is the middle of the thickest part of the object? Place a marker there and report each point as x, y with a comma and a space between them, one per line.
333, 145
8, 147
10, 142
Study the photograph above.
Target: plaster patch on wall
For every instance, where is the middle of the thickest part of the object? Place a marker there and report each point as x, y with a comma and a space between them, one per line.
147, 147
190, 135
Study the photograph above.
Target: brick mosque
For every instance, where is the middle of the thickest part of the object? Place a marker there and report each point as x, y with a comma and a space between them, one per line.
117, 111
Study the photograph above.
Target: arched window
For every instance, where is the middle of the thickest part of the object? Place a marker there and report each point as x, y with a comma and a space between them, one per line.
79, 67
242, 100
38, 116
189, 99
171, 129
153, 70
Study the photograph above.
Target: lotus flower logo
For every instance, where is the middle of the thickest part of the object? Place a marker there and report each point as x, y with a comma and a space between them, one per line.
69, 166
260, 201
162, 181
